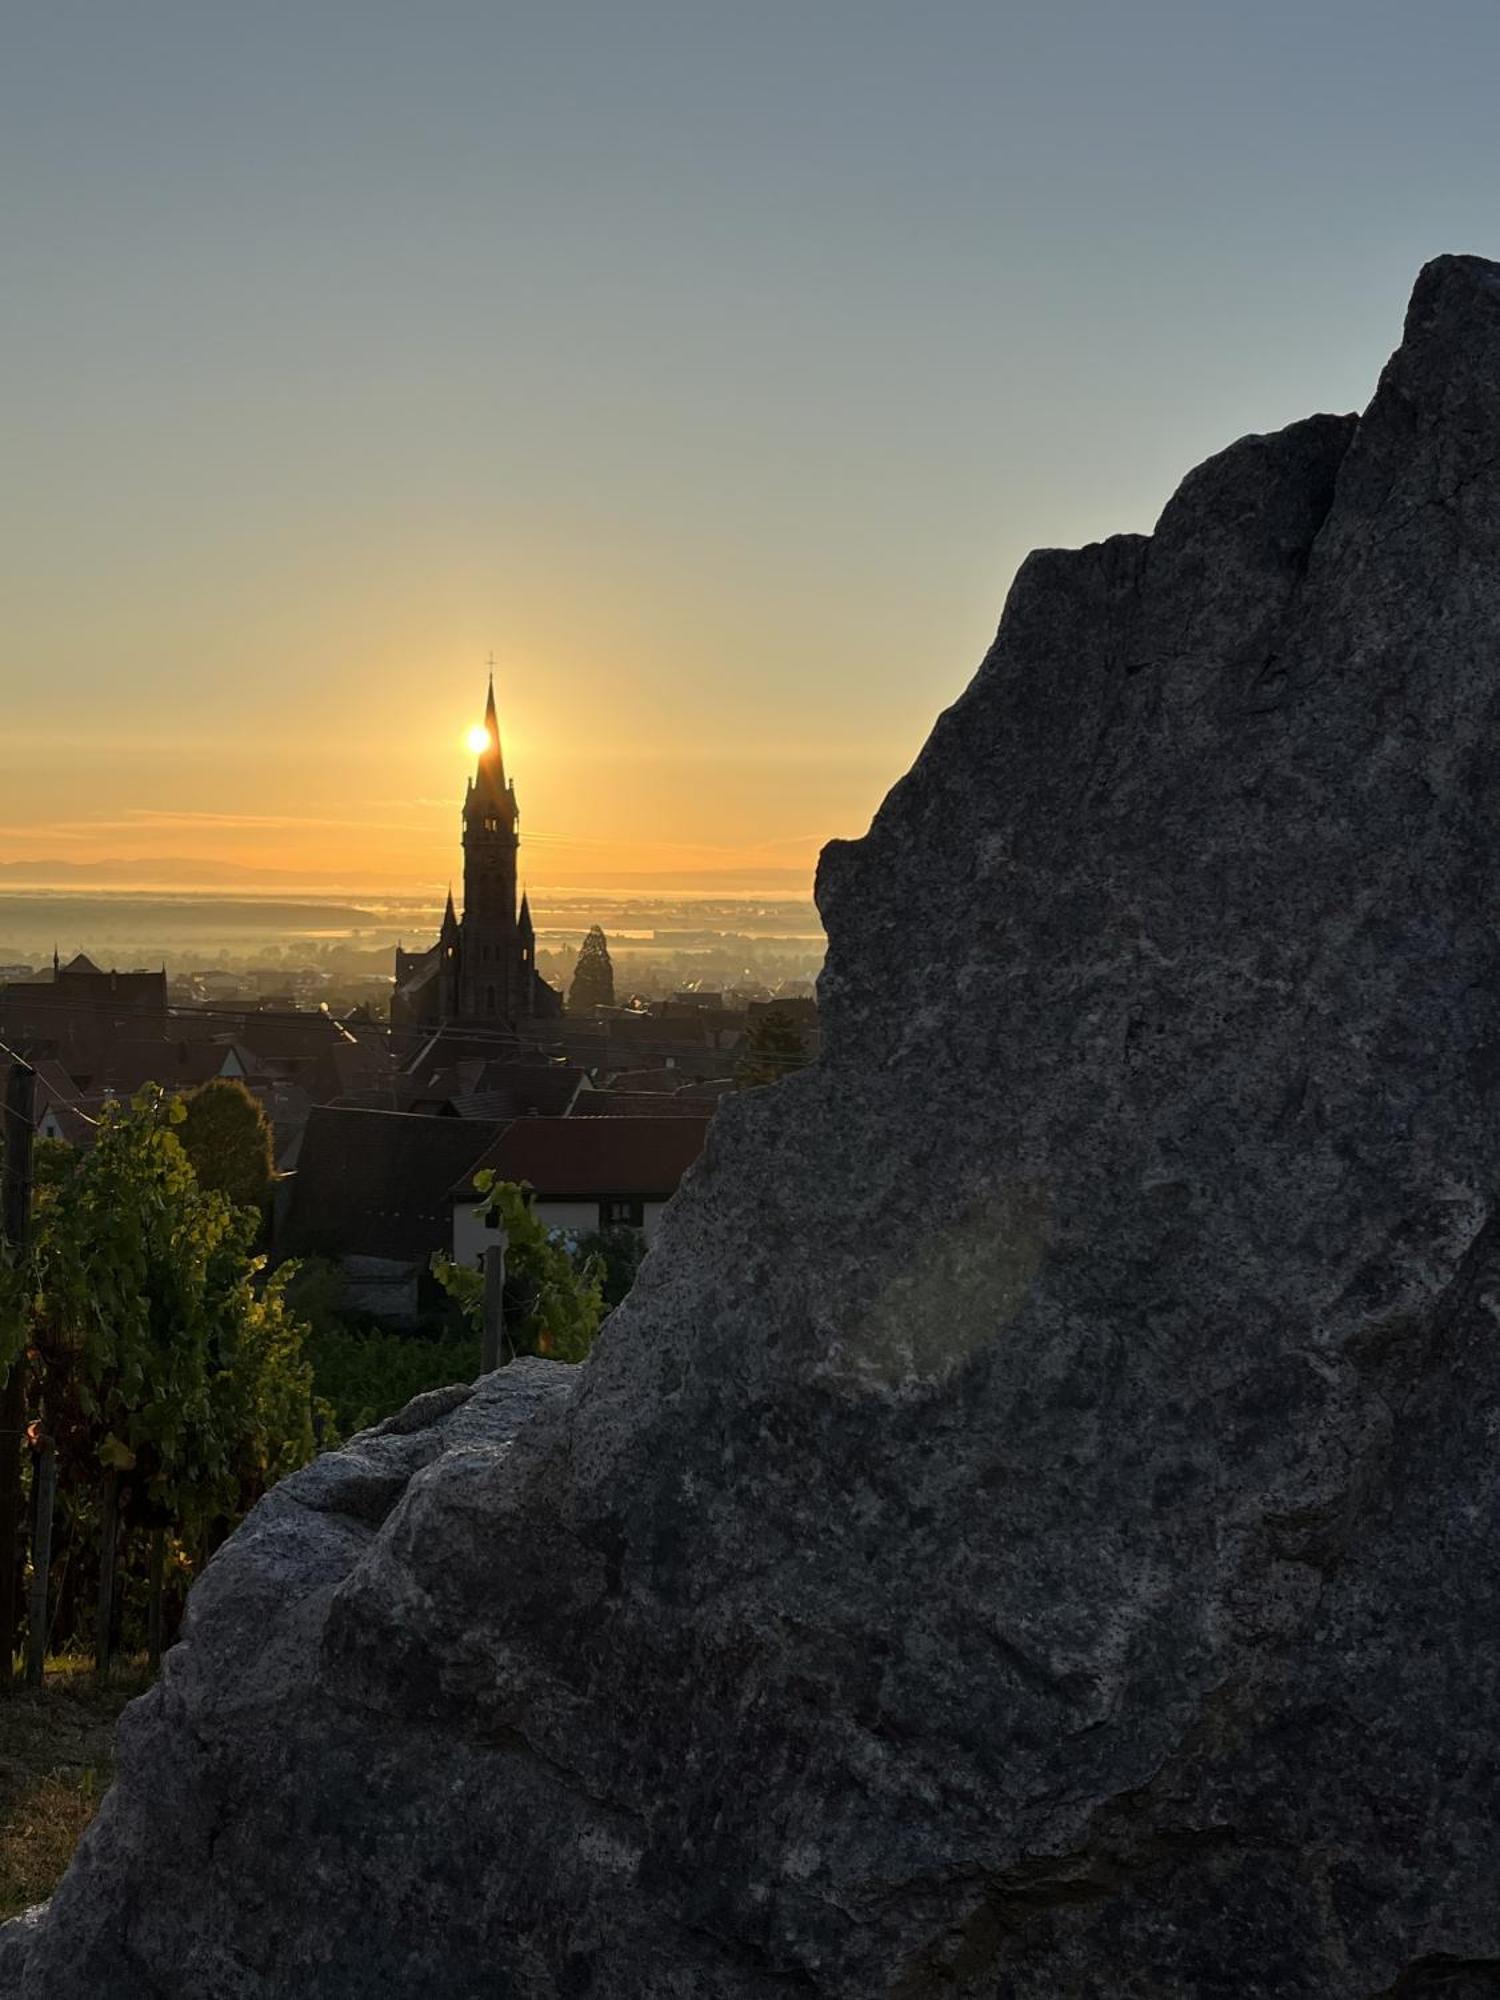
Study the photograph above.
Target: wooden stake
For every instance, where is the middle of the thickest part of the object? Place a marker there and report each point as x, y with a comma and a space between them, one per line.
492, 1341
15, 1221
44, 1500
109, 1534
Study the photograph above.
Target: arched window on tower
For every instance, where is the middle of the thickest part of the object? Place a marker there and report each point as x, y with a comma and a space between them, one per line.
489, 999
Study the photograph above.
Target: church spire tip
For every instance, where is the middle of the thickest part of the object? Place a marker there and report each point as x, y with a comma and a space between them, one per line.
489, 780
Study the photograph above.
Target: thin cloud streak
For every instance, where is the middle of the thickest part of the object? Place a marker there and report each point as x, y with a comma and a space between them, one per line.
783, 843
144, 820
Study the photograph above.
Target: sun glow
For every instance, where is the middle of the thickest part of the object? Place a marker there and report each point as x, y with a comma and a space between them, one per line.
479, 739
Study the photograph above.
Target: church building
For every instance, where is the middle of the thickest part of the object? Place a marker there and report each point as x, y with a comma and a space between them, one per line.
482, 970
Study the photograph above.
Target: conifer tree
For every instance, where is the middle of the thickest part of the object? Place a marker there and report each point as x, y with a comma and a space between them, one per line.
593, 975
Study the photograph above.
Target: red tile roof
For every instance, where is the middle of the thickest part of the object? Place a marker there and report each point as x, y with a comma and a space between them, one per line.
638, 1104
594, 1158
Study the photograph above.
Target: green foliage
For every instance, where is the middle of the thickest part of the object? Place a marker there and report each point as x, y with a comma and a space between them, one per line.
466, 1289
263, 1396
361, 1376
52, 1163
553, 1304
619, 1250
315, 1291
773, 1048
362, 1372
226, 1135
162, 1354
593, 975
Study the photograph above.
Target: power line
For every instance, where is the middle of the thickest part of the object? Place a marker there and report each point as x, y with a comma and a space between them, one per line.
178, 1011
502, 1039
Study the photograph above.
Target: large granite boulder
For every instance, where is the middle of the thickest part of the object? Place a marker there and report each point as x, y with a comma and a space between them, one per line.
1034, 1529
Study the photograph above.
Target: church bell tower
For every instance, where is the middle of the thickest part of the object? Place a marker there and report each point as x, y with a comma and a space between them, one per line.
482, 972
489, 979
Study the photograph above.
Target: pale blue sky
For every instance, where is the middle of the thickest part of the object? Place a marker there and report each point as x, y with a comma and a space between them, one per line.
716, 365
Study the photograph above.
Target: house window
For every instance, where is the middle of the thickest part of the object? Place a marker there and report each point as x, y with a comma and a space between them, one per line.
622, 1214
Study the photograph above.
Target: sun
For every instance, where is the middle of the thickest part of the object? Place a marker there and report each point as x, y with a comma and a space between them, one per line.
479, 739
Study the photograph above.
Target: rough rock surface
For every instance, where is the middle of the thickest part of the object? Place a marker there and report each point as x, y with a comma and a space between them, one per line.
1032, 1531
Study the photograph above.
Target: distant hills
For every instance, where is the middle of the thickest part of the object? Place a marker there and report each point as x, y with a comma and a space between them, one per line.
166, 872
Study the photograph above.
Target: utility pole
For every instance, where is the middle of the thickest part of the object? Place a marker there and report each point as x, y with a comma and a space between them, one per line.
15, 1222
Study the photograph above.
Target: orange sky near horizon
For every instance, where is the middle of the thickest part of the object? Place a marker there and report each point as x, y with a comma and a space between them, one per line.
714, 367
351, 792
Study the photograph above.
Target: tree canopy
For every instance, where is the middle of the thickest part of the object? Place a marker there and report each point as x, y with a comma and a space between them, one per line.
773, 1047
593, 975
225, 1134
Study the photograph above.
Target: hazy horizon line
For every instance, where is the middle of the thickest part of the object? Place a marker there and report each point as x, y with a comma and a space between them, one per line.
172, 873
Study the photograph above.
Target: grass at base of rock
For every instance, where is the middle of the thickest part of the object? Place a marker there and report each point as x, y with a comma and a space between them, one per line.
57, 1760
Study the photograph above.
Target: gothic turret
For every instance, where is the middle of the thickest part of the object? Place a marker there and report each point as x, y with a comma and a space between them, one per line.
449, 950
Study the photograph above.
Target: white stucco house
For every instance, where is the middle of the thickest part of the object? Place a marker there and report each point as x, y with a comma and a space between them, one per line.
584, 1174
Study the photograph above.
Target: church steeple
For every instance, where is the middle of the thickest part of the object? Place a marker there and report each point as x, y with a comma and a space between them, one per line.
489, 796
482, 970
491, 986
492, 730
